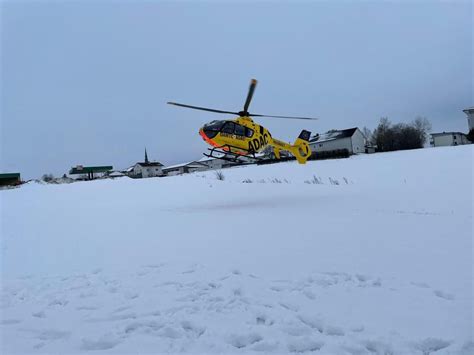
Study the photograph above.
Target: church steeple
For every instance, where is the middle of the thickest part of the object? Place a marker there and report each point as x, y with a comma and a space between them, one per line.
146, 157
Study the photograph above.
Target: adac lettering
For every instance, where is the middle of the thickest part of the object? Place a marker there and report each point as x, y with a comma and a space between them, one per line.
257, 143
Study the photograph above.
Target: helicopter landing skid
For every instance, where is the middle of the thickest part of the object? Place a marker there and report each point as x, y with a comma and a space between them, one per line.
225, 153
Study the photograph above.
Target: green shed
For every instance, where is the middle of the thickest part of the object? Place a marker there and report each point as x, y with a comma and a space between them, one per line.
89, 170
10, 179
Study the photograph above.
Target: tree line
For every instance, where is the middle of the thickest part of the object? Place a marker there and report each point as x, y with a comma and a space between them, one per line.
400, 136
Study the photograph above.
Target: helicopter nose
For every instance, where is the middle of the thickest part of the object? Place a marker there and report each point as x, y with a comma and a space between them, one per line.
207, 133
202, 134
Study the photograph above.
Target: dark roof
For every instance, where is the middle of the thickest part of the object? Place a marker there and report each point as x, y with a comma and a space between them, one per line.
89, 169
336, 134
153, 163
445, 133
10, 176
468, 110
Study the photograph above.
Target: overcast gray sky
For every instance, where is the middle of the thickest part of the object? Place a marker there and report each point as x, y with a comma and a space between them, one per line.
86, 82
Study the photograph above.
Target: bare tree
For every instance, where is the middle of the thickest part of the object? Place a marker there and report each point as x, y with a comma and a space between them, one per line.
367, 134
423, 126
470, 135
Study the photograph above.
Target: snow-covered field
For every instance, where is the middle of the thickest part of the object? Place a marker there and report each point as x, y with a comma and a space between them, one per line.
375, 258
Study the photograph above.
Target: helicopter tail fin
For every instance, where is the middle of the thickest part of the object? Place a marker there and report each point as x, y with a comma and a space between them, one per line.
301, 149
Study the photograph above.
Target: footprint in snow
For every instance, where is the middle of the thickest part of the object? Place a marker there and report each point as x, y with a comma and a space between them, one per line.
262, 319
312, 322
445, 295
52, 334
192, 328
334, 331
87, 308
39, 314
121, 309
430, 345
169, 332
358, 328
39, 345
103, 343
9, 321
265, 346
289, 306
58, 302
304, 344
243, 340
420, 284
309, 294
378, 347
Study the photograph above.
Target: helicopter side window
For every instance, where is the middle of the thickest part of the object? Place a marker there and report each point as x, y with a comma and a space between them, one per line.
239, 130
228, 128
248, 132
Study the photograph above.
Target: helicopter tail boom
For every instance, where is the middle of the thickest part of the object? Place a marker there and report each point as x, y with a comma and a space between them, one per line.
300, 149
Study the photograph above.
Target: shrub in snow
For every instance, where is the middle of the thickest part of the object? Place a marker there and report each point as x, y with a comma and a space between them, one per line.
47, 177
219, 175
317, 180
247, 181
333, 181
314, 180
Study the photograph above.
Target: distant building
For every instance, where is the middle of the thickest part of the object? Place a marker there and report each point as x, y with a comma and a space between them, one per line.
10, 179
145, 169
183, 168
351, 139
87, 172
448, 139
115, 174
216, 163
470, 117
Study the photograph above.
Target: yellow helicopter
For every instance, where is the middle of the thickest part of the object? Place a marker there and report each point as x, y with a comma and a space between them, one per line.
243, 137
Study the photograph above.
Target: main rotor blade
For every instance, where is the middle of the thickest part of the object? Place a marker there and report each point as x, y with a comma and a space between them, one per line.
289, 117
253, 84
201, 108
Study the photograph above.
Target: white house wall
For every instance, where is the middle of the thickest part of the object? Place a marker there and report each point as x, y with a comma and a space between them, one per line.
358, 142
441, 141
147, 171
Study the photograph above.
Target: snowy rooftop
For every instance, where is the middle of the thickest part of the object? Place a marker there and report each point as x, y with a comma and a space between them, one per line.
332, 135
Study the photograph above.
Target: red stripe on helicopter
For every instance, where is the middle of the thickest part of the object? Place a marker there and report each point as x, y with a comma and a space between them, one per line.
214, 144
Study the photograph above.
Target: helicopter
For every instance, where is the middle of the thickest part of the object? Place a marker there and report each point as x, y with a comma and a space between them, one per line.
231, 139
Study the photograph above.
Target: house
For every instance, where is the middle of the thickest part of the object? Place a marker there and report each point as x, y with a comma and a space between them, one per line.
470, 117
115, 174
145, 169
10, 179
216, 163
351, 140
183, 168
448, 139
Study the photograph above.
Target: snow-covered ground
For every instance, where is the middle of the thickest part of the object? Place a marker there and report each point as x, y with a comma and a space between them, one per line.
367, 255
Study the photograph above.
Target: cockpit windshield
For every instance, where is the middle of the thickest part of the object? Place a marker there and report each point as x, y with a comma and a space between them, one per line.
212, 128
214, 125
